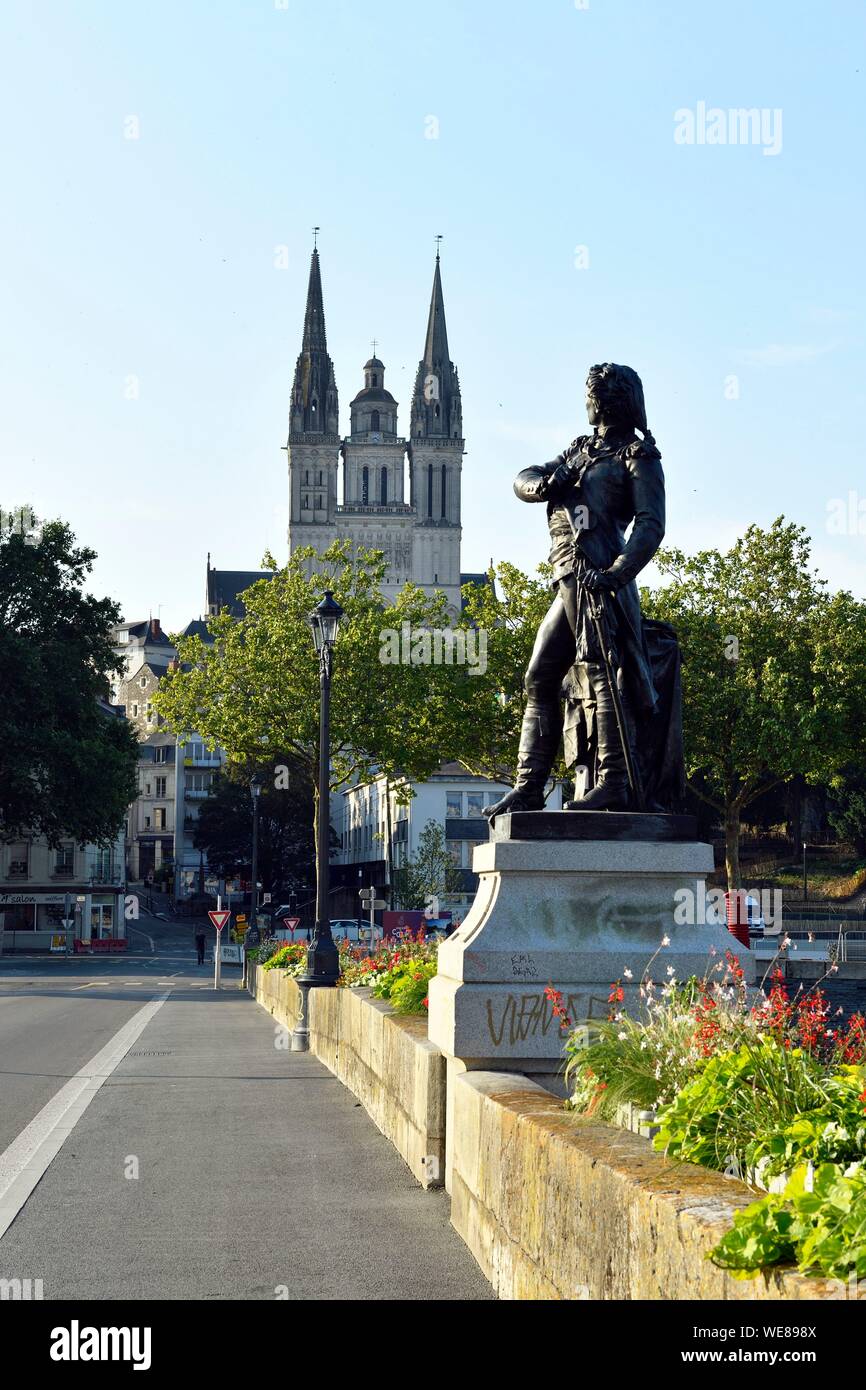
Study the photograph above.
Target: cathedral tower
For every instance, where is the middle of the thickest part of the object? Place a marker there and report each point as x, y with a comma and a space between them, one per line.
375, 511
435, 457
314, 437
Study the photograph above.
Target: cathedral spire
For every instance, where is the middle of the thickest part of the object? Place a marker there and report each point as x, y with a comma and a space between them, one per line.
314, 318
314, 408
436, 342
436, 407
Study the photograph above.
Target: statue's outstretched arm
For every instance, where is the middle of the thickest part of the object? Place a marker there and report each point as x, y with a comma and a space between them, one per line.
532, 484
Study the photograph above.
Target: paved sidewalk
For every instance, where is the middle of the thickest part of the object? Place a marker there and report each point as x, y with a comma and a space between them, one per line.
258, 1172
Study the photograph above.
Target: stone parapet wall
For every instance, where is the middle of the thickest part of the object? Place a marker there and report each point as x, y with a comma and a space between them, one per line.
555, 1207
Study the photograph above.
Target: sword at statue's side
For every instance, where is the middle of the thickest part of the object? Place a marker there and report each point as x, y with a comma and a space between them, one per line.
598, 618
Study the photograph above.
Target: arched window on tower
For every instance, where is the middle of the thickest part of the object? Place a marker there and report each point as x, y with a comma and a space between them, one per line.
444, 476
375, 379
374, 421
365, 485
384, 486
429, 489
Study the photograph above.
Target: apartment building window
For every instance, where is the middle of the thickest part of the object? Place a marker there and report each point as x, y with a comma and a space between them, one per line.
161, 783
19, 859
102, 865
143, 682
475, 804
64, 860
454, 805
159, 818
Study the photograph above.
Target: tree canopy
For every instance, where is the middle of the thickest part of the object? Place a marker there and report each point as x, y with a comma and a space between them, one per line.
254, 689
67, 765
774, 668
285, 835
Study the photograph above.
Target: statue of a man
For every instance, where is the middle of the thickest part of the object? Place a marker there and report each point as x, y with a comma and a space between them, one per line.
593, 645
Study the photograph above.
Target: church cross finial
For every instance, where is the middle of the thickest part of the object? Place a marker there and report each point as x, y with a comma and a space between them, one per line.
438, 240
374, 347
316, 231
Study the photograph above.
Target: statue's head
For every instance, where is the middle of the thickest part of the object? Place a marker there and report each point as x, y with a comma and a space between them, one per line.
614, 396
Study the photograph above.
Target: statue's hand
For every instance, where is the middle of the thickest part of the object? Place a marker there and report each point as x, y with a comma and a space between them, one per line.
560, 480
600, 581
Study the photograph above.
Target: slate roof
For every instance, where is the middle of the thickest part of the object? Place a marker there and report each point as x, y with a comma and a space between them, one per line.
224, 586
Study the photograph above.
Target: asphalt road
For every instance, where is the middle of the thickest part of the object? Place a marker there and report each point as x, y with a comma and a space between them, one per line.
198, 1158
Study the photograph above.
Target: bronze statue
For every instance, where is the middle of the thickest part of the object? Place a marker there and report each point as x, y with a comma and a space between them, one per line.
618, 672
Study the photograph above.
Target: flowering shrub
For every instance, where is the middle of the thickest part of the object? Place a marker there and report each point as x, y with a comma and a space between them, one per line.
398, 971
741, 1086
291, 957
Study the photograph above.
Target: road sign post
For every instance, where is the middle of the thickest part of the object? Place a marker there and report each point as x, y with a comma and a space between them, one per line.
219, 918
372, 903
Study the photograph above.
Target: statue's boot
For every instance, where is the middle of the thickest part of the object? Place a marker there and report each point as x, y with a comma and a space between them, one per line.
611, 790
539, 740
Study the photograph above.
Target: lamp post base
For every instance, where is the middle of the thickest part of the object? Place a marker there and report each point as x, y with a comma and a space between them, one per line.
301, 1030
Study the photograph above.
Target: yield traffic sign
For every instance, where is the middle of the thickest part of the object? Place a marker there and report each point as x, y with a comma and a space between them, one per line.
219, 919
291, 922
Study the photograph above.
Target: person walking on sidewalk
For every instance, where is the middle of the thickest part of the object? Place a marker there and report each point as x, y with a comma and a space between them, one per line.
199, 943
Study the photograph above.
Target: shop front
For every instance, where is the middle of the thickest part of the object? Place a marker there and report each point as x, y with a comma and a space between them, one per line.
32, 920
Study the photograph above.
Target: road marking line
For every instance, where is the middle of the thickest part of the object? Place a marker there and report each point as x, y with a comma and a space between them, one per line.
139, 932
28, 1157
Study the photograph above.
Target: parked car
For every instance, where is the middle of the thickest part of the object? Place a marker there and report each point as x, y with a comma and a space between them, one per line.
346, 929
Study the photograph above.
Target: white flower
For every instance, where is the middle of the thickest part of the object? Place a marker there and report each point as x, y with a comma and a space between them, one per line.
666, 941
622, 1036
670, 970
627, 973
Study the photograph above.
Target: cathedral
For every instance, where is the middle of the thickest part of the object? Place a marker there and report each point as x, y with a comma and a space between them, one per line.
354, 487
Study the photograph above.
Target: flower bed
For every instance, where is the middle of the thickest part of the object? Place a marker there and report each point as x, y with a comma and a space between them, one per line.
398, 971
769, 1092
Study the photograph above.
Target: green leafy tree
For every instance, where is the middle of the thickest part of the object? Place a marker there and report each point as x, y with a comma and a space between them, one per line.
430, 873
846, 811
489, 705
774, 669
286, 852
68, 766
255, 690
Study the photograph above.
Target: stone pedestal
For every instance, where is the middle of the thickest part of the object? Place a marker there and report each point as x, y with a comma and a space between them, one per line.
571, 899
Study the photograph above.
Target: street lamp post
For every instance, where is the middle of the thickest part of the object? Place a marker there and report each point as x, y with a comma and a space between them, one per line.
323, 960
256, 782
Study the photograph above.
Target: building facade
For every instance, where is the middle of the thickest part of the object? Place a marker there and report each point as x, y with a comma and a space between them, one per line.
174, 774
375, 487
453, 798
38, 882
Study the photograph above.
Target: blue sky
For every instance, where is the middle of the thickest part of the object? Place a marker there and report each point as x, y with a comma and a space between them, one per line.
154, 258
